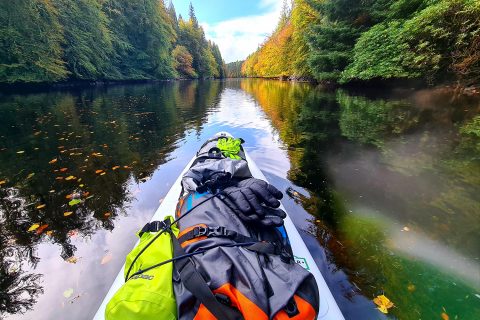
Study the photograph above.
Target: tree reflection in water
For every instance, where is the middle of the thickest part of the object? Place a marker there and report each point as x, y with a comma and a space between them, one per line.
53, 146
393, 183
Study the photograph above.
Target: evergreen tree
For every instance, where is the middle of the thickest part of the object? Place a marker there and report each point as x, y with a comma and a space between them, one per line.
87, 46
30, 42
53, 40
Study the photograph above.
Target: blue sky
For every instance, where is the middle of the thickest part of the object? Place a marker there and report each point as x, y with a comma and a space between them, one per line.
238, 27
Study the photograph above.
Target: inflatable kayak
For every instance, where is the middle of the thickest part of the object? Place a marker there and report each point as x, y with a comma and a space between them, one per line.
328, 306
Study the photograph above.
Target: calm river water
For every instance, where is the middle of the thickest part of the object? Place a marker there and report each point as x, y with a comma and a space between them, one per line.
389, 186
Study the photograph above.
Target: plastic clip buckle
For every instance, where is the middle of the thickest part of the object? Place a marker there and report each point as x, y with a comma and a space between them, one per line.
200, 231
216, 231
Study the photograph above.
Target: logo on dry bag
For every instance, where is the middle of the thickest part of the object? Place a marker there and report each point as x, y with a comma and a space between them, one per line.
302, 262
142, 276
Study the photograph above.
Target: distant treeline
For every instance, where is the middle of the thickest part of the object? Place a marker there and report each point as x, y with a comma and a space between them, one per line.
57, 40
234, 69
351, 40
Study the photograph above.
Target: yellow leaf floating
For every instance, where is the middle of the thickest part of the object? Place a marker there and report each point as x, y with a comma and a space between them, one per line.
3, 182
106, 259
68, 293
72, 260
70, 178
98, 171
20, 152
115, 168
66, 214
34, 227
53, 161
445, 316
30, 175
41, 206
383, 303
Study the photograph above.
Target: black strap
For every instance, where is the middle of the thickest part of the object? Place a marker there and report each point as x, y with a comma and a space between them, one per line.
214, 231
193, 282
153, 226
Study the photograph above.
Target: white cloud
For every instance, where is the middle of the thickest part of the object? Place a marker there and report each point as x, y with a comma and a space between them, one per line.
239, 37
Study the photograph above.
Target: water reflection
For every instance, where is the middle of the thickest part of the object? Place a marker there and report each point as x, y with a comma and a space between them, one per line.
394, 182
389, 186
67, 162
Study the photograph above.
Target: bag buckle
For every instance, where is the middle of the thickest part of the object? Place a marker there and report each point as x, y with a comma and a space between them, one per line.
200, 231
209, 231
216, 231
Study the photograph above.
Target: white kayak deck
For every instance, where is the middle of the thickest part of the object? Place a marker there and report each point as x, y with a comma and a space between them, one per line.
328, 306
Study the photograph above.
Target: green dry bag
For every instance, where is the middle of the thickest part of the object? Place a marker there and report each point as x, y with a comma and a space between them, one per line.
148, 295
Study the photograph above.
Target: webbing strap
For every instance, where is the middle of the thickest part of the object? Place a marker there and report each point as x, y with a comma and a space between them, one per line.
153, 226
214, 231
193, 282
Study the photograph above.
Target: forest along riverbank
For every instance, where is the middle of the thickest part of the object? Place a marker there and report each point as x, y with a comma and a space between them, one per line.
387, 187
114, 40
342, 41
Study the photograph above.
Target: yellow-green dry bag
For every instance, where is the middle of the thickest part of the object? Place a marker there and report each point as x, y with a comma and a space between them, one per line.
148, 295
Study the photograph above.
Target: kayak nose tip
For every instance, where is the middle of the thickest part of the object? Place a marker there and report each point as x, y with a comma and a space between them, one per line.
222, 134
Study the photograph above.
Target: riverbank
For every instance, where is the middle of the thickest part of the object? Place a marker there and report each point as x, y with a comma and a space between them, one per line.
81, 84
406, 84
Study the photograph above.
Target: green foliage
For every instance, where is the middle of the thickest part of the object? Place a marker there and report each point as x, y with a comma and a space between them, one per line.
471, 136
192, 37
88, 46
380, 53
53, 40
30, 42
345, 40
141, 37
234, 69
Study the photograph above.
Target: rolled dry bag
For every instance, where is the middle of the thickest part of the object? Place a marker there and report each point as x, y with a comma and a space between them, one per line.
149, 294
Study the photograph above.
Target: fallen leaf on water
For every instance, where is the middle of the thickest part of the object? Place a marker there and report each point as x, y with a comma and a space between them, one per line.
72, 233
51, 191
41, 206
107, 214
66, 214
70, 178
63, 169
98, 171
81, 185
74, 202
107, 258
20, 152
411, 287
68, 293
115, 168
383, 303
126, 167
59, 178
30, 175
72, 260
49, 233
86, 194
42, 228
406, 229
34, 227
69, 196
103, 173
445, 316
3, 182
53, 161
